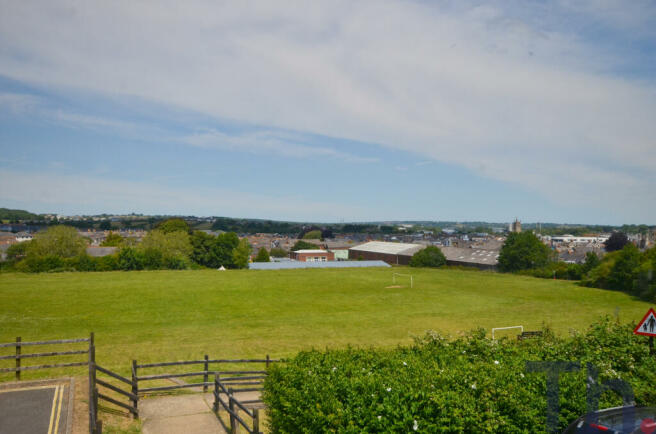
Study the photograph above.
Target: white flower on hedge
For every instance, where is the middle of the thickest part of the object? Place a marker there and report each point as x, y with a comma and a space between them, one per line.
380, 417
521, 375
405, 364
334, 368
415, 425
473, 386
496, 362
389, 389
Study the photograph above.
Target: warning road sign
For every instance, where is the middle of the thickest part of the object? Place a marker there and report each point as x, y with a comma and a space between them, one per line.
647, 327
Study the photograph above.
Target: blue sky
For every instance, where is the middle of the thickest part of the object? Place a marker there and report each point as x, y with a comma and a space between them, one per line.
331, 112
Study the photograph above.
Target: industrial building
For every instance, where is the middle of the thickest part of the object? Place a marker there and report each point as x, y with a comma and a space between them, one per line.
401, 253
392, 253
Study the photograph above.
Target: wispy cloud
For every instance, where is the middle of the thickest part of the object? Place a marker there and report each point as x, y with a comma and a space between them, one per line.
268, 142
513, 91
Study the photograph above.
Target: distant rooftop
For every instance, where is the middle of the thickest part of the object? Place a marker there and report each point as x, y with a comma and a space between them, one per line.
311, 251
301, 264
388, 248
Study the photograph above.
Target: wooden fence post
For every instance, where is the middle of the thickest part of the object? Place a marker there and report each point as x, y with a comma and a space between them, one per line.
215, 406
135, 389
268, 361
18, 360
207, 367
231, 406
95, 407
256, 421
93, 414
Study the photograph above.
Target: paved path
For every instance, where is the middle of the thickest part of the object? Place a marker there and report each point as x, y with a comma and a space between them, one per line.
36, 407
190, 413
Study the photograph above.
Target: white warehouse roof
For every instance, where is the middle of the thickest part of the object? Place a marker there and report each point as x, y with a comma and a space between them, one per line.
388, 248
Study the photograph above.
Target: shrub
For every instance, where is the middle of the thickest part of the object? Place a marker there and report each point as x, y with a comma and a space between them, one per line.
130, 258
262, 256
277, 252
303, 245
431, 256
470, 384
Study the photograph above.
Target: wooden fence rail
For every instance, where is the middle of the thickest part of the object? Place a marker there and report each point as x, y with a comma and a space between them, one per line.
205, 373
233, 406
18, 356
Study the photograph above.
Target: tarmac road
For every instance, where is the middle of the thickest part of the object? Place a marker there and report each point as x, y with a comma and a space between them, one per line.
26, 409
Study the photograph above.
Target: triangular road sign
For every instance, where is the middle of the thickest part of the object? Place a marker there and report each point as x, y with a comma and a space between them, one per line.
647, 327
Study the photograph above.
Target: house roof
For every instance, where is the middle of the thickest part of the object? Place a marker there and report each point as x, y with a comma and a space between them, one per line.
474, 256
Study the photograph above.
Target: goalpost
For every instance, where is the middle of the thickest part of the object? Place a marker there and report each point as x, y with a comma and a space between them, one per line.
403, 275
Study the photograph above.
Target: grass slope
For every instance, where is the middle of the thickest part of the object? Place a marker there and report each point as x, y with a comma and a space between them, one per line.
172, 315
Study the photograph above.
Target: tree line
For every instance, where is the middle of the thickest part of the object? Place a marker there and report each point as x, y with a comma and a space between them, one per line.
171, 245
623, 268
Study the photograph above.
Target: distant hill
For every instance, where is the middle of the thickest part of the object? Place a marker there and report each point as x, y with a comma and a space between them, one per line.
18, 214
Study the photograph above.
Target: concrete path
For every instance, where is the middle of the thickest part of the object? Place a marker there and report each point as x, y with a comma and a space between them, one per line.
177, 414
190, 413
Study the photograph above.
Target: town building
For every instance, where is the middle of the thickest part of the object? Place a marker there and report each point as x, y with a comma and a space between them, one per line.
313, 255
515, 226
392, 253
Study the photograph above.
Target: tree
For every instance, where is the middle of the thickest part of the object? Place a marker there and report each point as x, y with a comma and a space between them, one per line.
625, 269
201, 244
241, 254
61, 241
277, 252
112, 240
591, 261
616, 241
303, 245
105, 225
262, 256
172, 245
173, 225
17, 251
523, 251
312, 235
222, 249
431, 256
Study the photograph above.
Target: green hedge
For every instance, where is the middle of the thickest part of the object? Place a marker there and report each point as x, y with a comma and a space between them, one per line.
470, 384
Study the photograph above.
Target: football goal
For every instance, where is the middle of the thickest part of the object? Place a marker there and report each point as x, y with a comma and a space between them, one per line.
398, 277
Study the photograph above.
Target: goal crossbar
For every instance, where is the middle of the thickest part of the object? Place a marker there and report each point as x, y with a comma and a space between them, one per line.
507, 328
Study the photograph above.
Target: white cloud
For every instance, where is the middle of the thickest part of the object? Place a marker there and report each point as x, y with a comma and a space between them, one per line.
484, 87
268, 142
51, 192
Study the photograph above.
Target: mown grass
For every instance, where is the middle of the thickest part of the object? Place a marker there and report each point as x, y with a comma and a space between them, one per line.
171, 315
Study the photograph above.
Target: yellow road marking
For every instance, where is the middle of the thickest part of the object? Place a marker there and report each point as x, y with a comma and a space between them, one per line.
59, 405
52, 413
29, 388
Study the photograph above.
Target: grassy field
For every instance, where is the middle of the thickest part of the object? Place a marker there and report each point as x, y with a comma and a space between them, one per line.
172, 315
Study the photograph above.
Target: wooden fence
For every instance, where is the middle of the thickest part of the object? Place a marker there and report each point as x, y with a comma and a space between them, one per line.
226, 381
205, 373
229, 387
18, 356
95, 425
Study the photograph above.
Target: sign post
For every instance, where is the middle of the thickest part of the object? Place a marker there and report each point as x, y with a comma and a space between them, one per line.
647, 327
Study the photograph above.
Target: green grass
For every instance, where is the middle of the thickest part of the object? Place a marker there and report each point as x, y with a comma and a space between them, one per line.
173, 315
